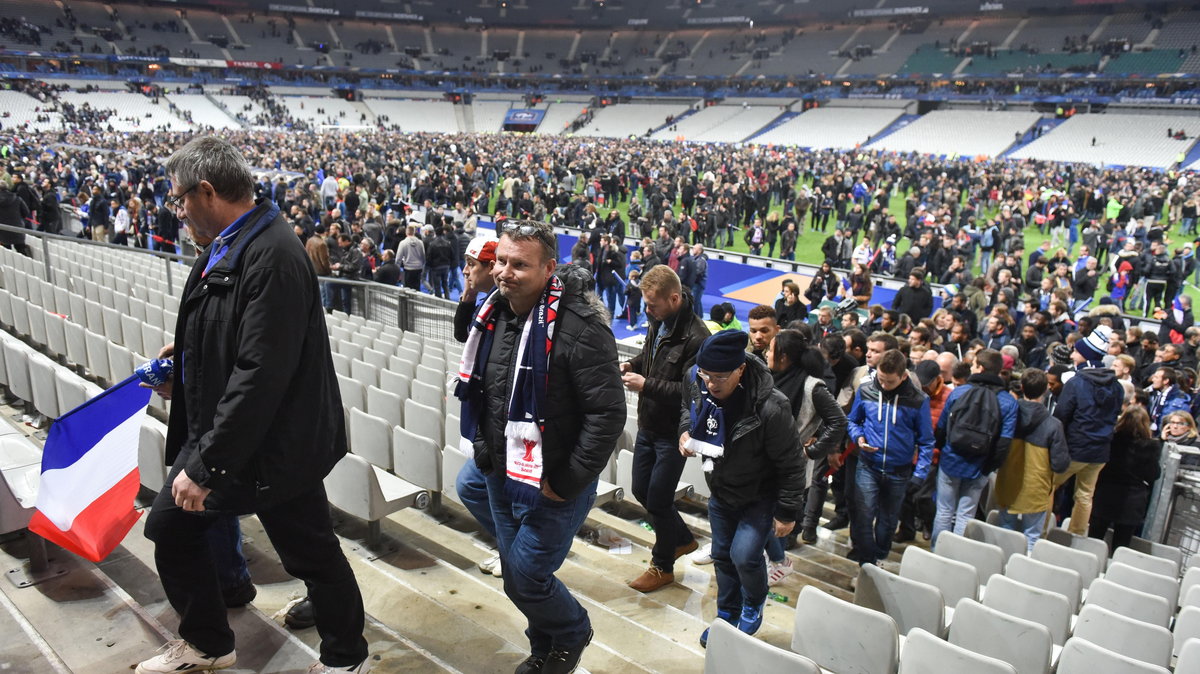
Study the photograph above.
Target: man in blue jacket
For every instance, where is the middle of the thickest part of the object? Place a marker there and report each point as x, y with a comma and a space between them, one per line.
889, 421
1088, 408
962, 476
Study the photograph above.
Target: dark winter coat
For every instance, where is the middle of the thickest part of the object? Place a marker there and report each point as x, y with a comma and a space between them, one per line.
1123, 488
256, 414
664, 369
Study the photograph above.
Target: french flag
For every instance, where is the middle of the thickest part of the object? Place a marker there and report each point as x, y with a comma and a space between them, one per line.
90, 473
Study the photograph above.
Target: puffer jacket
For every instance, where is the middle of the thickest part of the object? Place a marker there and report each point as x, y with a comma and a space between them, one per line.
585, 401
256, 414
1025, 483
1088, 409
762, 457
898, 422
664, 368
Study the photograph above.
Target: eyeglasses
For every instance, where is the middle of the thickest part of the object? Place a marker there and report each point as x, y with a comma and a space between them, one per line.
713, 379
524, 230
175, 202
1175, 422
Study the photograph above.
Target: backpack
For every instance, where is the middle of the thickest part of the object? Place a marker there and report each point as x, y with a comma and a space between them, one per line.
974, 422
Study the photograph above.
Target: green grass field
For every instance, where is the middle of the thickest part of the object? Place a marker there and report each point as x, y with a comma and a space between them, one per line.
808, 244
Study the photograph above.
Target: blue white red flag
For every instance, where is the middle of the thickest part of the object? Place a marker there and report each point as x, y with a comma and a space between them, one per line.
90, 473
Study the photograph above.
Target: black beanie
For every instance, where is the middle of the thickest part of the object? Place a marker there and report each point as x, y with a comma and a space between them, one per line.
723, 352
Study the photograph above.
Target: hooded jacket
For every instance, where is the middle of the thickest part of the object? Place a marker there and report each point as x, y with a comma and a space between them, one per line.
762, 457
256, 414
1088, 409
1025, 483
896, 422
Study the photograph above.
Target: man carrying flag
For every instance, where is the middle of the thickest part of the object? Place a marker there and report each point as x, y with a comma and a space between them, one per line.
256, 421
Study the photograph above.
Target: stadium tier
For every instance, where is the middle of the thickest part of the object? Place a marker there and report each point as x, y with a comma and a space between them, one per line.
1116, 139
961, 132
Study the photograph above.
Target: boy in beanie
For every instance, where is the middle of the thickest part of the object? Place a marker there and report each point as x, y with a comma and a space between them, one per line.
1088, 408
745, 433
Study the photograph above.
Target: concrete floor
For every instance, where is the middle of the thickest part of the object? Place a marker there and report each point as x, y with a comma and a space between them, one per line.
429, 608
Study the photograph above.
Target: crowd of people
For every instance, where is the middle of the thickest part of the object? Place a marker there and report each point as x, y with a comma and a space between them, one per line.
903, 411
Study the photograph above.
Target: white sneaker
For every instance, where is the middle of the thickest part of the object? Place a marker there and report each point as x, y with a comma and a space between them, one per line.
703, 555
180, 656
497, 570
776, 572
319, 667
488, 565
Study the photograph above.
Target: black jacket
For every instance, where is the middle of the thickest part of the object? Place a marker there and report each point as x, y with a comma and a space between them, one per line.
762, 457
12, 213
1123, 487
916, 302
256, 414
440, 252
585, 402
665, 368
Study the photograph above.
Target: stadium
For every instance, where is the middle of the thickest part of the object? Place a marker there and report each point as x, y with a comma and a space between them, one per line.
957, 195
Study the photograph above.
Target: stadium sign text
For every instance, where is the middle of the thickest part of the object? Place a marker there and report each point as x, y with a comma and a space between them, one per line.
300, 9
398, 16
889, 11
708, 20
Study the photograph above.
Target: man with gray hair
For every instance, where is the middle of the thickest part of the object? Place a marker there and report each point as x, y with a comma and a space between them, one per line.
257, 419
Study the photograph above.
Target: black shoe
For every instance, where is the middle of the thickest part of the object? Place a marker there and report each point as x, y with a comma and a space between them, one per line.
239, 595
905, 535
789, 542
532, 665
565, 660
838, 522
300, 616
808, 534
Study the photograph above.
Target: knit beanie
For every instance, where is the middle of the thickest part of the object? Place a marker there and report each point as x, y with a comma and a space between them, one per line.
723, 352
1095, 346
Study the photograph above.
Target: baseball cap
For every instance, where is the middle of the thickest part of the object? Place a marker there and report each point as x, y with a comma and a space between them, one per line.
482, 249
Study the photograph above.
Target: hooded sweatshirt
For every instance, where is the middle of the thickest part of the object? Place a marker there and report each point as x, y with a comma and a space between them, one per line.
1088, 409
1025, 483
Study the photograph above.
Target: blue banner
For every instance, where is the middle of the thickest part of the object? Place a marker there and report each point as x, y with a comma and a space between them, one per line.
524, 116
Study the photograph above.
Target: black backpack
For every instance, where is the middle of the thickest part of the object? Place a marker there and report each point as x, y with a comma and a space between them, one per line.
974, 422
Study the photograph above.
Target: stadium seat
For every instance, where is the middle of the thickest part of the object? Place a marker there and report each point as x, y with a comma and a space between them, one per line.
131, 334
371, 438
452, 461
1044, 607
71, 390
956, 580
731, 651
925, 653
1187, 626
341, 364
386, 405
376, 359
395, 383
842, 637
417, 459
352, 393
987, 559
1171, 552
1010, 542
152, 469
1024, 644
912, 604
1096, 546
368, 492
1086, 564
430, 395
1047, 577
1145, 562
1127, 636
1129, 602
21, 469
16, 365
43, 384
56, 336
1080, 656
1145, 581
364, 372
97, 355
424, 420
431, 376
402, 365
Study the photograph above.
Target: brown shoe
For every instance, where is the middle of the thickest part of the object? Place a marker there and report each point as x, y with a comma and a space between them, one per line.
686, 548
652, 579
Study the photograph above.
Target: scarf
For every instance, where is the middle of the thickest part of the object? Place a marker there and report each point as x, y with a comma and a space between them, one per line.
526, 406
707, 429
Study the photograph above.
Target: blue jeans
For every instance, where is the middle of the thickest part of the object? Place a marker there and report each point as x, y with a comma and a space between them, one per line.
534, 542
776, 552
698, 300
957, 499
343, 296
1029, 524
225, 540
657, 467
738, 536
455, 280
471, 486
877, 499
612, 295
